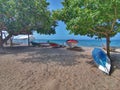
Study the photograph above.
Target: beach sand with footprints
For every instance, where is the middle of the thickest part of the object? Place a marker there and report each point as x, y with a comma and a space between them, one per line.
45, 68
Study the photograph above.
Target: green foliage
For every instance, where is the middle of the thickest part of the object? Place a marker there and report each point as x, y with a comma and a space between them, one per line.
90, 17
26, 15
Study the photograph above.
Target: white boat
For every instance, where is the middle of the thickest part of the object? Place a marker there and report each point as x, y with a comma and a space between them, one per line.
23, 37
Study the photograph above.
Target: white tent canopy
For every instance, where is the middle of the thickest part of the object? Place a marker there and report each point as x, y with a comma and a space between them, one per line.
23, 37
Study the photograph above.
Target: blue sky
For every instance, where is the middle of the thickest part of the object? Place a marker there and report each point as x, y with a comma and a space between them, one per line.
61, 32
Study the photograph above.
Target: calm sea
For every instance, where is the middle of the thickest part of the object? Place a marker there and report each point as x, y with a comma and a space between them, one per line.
86, 43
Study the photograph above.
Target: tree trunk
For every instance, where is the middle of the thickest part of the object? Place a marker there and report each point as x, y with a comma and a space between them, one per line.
1, 40
1, 43
7, 38
108, 45
11, 42
28, 40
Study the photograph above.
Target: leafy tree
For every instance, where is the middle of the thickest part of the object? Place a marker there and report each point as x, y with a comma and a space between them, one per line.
91, 17
23, 16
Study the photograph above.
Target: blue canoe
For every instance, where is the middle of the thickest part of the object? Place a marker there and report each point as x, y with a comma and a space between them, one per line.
102, 60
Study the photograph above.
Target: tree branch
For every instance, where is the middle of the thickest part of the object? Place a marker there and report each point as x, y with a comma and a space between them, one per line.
114, 21
93, 30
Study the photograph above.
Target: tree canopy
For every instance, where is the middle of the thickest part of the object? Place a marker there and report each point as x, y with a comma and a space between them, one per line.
22, 15
91, 17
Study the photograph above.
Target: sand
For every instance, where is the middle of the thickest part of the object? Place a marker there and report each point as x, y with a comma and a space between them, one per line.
44, 68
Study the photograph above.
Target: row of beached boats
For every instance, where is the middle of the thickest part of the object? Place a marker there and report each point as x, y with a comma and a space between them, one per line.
45, 44
71, 43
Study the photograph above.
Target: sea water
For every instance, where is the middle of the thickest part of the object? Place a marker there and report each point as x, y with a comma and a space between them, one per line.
85, 43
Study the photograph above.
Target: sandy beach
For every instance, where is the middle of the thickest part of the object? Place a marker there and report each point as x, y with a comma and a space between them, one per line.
44, 68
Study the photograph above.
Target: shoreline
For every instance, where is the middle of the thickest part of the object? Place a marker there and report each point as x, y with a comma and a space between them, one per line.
44, 68
82, 43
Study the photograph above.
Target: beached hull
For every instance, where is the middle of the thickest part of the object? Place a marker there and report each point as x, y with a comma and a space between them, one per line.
40, 44
54, 45
102, 60
72, 43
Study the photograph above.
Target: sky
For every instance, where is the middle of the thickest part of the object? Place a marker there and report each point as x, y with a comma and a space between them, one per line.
61, 32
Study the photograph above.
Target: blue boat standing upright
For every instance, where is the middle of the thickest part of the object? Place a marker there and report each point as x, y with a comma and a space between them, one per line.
102, 60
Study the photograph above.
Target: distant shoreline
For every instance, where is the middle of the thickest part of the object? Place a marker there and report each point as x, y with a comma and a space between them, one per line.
86, 43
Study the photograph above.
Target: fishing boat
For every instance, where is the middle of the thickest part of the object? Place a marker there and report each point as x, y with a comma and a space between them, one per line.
72, 43
42, 44
54, 45
102, 60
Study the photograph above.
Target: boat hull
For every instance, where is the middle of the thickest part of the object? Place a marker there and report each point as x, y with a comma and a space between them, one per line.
40, 44
54, 45
72, 43
101, 60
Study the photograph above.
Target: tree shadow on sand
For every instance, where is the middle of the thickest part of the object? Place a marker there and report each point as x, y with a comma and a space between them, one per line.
15, 50
19, 49
54, 55
79, 49
45, 55
115, 61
